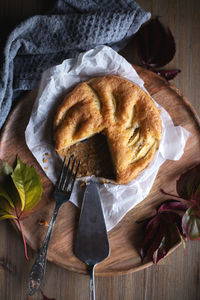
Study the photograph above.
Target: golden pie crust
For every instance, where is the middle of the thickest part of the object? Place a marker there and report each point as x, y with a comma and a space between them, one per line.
117, 108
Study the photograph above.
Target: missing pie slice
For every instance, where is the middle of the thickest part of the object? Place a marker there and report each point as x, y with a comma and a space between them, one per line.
119, 109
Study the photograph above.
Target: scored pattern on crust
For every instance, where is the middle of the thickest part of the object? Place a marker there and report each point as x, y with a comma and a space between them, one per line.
122, 111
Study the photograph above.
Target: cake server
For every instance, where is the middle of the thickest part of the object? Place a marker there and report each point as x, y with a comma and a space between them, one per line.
91, 243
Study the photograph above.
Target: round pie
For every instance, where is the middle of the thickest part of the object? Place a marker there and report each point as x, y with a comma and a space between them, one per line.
121, 110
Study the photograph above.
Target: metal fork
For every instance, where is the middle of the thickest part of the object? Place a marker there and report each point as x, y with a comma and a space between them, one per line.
62, 193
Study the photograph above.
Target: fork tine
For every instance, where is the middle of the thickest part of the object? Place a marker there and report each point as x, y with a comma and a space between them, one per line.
71, 172
61, 173
68, 178
74, 178
64, 167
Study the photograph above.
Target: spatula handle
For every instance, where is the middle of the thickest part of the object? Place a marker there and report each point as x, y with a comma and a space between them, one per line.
92, 283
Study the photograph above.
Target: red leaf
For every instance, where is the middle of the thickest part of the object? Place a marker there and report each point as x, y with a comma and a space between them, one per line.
188, 185
168, 222
170, 205
155, 44
167, 74
153, 237
191, 223
160, 234
161, 251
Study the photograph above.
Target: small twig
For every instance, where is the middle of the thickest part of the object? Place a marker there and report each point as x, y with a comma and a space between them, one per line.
20, 227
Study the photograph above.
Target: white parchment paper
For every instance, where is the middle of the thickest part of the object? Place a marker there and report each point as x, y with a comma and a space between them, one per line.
117, 200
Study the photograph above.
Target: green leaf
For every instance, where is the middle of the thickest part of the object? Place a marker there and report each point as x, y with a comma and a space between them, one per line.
4, 205
28, 184
5, 195
191, 223
7, 187
13, 193
2, 217
5, 208
20, 190
5, 170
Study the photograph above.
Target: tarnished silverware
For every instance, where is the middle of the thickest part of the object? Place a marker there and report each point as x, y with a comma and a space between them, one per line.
62, 193
91, 244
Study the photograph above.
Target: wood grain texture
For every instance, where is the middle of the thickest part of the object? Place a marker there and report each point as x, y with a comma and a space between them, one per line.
178, 275
126, 238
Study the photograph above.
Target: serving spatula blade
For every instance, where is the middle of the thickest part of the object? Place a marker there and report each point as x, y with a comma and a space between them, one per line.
91, 244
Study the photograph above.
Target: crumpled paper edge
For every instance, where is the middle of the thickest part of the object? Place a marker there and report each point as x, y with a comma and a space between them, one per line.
113, 212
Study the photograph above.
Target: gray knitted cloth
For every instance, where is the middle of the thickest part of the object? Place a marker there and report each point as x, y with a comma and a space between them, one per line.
71, 27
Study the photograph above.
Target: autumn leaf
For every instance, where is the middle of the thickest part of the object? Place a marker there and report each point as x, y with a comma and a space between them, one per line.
27, 183
5, 170
5, 198
160, 233
188, 184
155, 47
191, 224
5, 206
180, 217
20, 190
172, 205
167, 74
155, 44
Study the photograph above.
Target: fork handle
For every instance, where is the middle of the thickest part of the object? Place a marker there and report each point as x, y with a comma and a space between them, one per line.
38, 269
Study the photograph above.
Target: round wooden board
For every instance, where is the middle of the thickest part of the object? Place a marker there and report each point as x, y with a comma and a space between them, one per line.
126, 238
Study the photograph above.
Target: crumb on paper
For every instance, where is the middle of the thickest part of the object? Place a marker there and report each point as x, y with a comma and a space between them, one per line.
46, 168
44, 160
47, 154
43, 222
104, 181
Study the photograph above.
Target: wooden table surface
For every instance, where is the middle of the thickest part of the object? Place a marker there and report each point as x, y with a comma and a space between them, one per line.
175, 277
